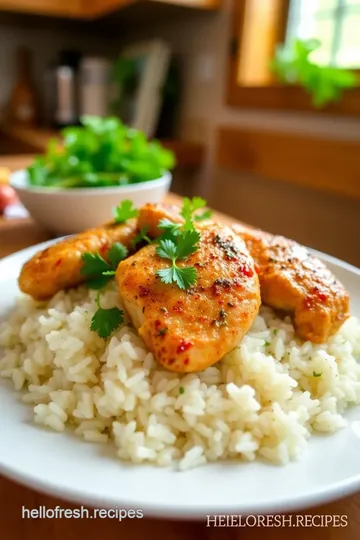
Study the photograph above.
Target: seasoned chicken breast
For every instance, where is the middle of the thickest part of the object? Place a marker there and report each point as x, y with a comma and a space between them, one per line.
189, 330
151, 214
293, 280
59, 266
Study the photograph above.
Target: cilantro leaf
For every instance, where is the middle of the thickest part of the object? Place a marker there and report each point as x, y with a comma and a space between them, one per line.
124, 211
165, 223
100, 281
99, 272
188, 211
183, 277
140, 237
93, 264
117, 253
316, 374
171, 230
105, 321
198, 202
187, 244
178, 242
167, 275
101, 152
167, 249
205, 215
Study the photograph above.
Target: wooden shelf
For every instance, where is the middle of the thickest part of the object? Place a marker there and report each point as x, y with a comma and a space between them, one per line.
85, 10
187, 154
317, 162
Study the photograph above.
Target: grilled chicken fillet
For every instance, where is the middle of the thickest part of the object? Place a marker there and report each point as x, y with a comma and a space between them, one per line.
293, 280
189, 330
59, 266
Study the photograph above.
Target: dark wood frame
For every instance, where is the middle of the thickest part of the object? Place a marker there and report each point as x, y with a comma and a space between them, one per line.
275, 95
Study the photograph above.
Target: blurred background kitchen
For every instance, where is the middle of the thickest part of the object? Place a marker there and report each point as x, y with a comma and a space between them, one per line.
263, 121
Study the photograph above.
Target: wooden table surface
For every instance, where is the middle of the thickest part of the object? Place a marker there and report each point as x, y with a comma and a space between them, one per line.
21, 233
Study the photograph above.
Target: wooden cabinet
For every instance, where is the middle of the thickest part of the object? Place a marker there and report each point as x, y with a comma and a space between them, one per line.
85, 9
57, 8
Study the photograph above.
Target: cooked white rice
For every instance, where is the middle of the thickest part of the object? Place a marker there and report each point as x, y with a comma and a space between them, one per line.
264, 399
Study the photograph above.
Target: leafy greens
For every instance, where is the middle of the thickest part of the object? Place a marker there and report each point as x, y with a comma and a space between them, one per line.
292, 64
179, 242
101, 152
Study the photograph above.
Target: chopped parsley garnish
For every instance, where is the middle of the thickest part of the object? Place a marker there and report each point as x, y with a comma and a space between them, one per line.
267, 344
105, 321
316, 374
181, 390
124, 211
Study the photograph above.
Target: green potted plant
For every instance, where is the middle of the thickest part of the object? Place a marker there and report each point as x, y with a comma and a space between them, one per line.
292, 65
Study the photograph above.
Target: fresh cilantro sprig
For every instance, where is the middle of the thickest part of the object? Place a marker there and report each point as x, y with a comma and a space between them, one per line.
125, 211
178, 242
97, 271
101, 152
171, 230
183, 277
188, 211
105, 321
140, 237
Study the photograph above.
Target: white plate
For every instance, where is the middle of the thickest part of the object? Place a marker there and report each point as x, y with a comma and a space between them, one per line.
65, 466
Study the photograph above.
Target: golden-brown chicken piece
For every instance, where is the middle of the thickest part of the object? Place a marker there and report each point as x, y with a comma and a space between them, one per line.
59, 266
293, 280
189, 330
151, 214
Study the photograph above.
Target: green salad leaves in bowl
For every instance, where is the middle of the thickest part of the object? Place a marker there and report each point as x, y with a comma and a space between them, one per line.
102, 152
75, 185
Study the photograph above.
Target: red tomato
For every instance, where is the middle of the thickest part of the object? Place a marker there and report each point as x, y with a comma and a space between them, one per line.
7, 197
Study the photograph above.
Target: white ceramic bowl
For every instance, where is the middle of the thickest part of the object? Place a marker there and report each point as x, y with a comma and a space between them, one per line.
69, 211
